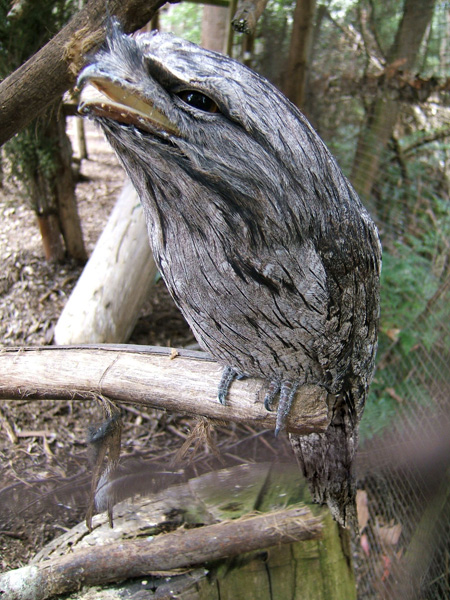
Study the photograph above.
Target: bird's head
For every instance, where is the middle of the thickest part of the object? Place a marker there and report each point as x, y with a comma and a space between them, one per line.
178, 91
196, 127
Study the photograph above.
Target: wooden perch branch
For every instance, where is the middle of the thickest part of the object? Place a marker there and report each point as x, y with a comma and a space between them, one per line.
182, 548
247, 15
180, 381
50, 72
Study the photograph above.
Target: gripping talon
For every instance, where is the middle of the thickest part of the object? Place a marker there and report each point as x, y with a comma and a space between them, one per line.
228, 376
287, 393
274, 388
287, 390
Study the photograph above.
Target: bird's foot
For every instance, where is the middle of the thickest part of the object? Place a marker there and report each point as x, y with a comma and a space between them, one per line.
228, 376
286, 390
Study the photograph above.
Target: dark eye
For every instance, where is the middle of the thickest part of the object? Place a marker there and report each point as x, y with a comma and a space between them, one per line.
198, 100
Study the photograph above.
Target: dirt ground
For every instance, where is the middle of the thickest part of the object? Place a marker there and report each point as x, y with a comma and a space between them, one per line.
44, 459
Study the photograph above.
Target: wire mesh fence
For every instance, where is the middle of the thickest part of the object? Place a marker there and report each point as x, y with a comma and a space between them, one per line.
404, 549
381, 101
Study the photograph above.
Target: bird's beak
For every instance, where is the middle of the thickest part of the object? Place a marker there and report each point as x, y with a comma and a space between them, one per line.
102, 97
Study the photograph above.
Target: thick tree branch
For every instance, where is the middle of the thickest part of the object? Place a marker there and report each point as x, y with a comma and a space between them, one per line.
50, 72
183, 548
179, 381
435, 136
247, 15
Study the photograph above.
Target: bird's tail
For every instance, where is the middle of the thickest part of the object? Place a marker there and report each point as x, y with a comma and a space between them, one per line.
326, 461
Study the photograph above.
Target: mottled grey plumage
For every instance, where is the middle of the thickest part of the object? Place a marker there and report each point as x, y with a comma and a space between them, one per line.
262, 242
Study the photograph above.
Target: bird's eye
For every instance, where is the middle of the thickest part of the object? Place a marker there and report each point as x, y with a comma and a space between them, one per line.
198, 100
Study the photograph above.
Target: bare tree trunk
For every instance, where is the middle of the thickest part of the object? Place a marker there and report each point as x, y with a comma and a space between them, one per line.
41, 189
309, 105
214, 27
229, 36
52, 193
51, 237
65, 195
81, 138
383, 112
248, 44
299, 51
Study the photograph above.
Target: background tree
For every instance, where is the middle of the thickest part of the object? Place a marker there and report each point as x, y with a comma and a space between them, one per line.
215, 24
383, 111
295, 75
40, 156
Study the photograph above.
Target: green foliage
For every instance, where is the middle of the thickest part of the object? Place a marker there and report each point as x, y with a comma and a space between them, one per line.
32, 162
403, 271
24, 29
26, 26
434, 55
414, 341
184, 19
384, 18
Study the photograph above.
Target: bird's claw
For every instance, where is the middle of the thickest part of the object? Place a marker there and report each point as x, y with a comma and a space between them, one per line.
228, 376
274, 388
287, 390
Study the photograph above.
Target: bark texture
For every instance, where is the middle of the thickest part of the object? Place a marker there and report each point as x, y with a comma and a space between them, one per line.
105, 303
180, 381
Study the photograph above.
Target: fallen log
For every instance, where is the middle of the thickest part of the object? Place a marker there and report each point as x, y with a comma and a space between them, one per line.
317, 567
180, 549
105, 303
